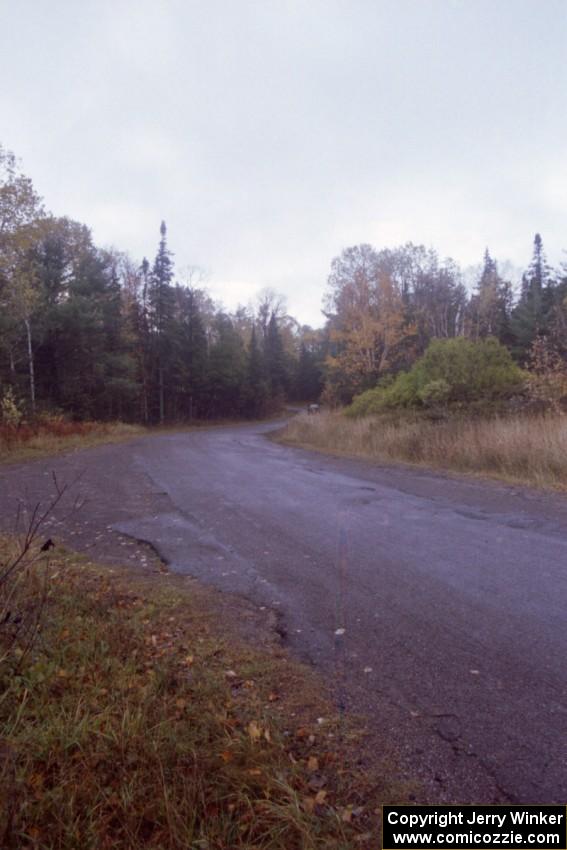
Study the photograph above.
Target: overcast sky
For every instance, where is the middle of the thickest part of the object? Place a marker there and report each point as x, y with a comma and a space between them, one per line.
270, 135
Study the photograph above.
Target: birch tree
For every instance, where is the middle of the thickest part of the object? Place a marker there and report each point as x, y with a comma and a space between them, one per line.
21, 215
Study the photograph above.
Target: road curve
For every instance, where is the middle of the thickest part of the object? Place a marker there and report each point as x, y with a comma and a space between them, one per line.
437, 606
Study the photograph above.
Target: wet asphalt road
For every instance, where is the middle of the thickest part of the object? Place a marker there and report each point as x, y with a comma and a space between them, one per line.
452, 594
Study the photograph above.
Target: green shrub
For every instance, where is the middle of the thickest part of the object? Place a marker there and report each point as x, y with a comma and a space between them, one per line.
435, 392
367, 402
473, 370
451, 370
404, 391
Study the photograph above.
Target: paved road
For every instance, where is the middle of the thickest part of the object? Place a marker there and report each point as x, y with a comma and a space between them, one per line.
452, 594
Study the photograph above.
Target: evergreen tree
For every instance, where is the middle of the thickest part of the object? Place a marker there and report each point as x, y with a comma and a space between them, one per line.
276, 366
140, 313
308, 375
530, 316
161, 311
190, 346
258, 391
490, 307
227, 370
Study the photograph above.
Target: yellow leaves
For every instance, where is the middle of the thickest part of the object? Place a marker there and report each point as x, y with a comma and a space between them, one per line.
256, 732
370, 325
312, 764
309, 803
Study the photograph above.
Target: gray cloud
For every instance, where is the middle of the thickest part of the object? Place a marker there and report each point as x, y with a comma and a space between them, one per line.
271, 134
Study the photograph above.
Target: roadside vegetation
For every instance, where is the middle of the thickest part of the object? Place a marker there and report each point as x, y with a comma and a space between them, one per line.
463, 406
131, 717
451, 372
527, 450
92, 334
48, 435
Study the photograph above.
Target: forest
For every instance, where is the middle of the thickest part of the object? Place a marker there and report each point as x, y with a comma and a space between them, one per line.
89, 333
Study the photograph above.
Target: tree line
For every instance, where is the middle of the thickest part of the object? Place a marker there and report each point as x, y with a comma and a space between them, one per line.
90, 333
385, 307
87, 332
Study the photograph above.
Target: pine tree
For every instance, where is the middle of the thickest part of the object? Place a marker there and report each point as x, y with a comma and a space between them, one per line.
227, 370
190, 353
276, 366
257, 384
143, 334
530, 316
489, 307
308, 376
161, 310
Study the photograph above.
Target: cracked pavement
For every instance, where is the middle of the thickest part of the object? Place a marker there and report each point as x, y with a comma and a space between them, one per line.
435, 606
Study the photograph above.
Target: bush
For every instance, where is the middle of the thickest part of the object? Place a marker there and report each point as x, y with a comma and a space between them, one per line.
451, 370
365, 403
473, 370
404, 392
435, 392
10, 413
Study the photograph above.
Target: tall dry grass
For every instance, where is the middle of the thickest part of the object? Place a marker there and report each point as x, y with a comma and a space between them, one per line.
529, 450
54, 434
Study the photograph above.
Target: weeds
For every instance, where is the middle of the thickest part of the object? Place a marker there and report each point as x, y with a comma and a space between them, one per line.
24, 573
52, 434
526, 449
135, 723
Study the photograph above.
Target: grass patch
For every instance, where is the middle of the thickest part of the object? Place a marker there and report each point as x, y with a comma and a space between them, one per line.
135, 721
56, 435
524, 449
52, 435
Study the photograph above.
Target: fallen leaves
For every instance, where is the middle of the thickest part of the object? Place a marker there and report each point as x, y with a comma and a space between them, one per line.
170, 684
254, 731
310, 803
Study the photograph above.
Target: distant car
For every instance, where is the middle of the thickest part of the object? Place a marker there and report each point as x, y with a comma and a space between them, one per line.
313, 408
